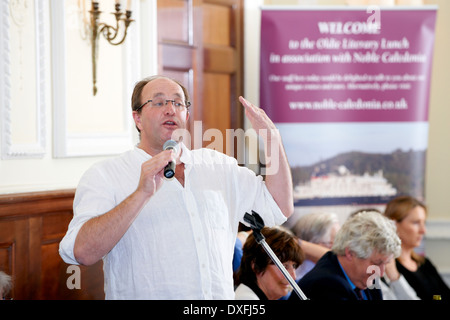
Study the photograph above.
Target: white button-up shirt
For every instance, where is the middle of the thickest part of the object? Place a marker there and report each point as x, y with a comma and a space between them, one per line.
181, 244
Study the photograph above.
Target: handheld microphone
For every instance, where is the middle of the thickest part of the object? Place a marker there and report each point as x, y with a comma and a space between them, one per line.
169, 170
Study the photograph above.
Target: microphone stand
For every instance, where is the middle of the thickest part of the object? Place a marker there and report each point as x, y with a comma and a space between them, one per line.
256, 224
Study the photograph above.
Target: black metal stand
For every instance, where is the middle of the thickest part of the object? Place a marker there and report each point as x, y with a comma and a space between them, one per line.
256, 224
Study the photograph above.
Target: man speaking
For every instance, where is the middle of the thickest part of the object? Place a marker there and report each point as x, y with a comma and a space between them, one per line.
171, 239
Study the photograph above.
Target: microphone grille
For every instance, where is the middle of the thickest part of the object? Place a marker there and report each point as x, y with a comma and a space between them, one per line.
170, 144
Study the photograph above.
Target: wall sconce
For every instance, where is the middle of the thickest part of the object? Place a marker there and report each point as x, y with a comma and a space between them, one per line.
110, 33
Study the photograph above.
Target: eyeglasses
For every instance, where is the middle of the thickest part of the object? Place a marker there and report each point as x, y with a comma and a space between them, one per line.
160, 102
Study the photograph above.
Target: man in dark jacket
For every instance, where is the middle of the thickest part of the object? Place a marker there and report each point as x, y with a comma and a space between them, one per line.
363, 246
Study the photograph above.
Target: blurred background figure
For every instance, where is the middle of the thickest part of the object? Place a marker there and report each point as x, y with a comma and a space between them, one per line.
319, 228
410, 215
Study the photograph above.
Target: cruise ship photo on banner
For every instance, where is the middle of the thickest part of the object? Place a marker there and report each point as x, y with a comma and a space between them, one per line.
342, 187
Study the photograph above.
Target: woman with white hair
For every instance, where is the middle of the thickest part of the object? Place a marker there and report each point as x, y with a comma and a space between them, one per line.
319, 228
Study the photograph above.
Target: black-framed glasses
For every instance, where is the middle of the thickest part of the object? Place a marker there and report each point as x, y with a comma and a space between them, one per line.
160, 102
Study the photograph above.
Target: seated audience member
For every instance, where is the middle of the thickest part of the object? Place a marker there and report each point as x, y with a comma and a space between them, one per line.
319, 228
363, 246
393, 285
259, 277
410, 215
5, 285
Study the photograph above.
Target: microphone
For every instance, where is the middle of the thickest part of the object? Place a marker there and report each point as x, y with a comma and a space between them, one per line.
169, 170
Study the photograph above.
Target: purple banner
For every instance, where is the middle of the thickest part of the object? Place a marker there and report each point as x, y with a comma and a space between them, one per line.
349, 91
346, 65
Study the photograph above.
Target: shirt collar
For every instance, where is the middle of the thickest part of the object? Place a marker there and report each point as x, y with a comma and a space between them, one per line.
142, 153
348, 279
363, 293
186, 154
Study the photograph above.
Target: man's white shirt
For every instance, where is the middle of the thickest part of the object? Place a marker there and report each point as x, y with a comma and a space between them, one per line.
181, 244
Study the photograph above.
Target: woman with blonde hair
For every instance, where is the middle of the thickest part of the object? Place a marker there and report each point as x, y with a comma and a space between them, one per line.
319, 228
410, 215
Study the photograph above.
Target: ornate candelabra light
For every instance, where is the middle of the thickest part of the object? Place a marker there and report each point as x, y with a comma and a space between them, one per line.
110, 33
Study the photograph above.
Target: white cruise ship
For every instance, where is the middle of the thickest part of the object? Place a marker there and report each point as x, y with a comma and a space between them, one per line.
343, 187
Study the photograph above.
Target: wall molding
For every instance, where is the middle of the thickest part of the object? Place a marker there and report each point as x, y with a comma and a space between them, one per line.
438, 229
9, 149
